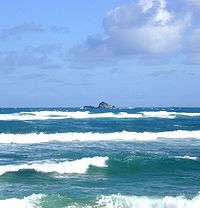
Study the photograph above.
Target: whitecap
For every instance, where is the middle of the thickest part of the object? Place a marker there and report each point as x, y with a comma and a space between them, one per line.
114, 201
76, 166
187, 157
46, 115
90, 136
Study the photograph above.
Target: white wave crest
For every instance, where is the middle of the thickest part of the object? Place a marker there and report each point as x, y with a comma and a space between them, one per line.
166, 114
32, 201
187, 157
76, 166
115, 201
33, 138
45, 115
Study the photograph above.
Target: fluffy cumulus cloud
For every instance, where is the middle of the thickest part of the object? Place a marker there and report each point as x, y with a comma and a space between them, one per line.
147, 27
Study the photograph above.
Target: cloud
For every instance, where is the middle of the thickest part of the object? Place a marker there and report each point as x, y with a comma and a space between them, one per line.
162, 73
31, 28
14, 59
59, 29
47, 56
142, 31
93, 51
25, 28
45, 49
147, 28
195, 3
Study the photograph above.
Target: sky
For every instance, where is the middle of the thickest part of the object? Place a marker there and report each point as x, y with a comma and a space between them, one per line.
74, 53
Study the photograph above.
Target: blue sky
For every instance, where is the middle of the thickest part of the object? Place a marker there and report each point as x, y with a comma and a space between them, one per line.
74, 53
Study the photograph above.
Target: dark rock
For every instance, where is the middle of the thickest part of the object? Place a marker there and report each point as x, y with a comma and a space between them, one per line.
104, 105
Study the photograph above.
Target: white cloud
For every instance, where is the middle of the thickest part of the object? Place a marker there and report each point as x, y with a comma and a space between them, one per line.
145, 27
154, 31
146, 5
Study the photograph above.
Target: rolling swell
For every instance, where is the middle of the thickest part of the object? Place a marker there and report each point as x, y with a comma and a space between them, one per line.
113, 165
128, 165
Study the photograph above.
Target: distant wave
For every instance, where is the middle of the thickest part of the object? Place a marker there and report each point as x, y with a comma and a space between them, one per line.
89, 136
187, 157
114, 201
76, 166
45, 115
32, 201
166, 114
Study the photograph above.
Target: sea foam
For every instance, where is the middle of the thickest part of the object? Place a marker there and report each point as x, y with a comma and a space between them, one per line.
32, 201
76, 166
115, 201
90, 136
112, 201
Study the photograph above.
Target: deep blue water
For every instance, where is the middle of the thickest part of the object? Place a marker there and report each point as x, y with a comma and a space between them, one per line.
66, 169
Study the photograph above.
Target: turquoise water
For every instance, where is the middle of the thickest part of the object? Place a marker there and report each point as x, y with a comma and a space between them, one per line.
68, 157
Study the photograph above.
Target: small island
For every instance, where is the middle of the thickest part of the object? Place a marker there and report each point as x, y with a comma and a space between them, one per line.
102, 105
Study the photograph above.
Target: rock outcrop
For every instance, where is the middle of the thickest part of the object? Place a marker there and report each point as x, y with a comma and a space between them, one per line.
102, 105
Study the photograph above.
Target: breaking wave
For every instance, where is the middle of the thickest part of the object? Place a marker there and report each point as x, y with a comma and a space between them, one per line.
166, 114
114, 201
32, 201
76, 166
45, 115
90, 136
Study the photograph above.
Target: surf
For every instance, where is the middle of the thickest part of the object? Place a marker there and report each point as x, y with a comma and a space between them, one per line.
77, 166
32, 201
56, 115
121, 201
103, 201
34, 138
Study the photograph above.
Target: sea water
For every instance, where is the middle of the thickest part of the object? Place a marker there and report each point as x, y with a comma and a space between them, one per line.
121, 158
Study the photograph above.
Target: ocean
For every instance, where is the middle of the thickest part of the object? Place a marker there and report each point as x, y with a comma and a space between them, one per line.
120, 158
